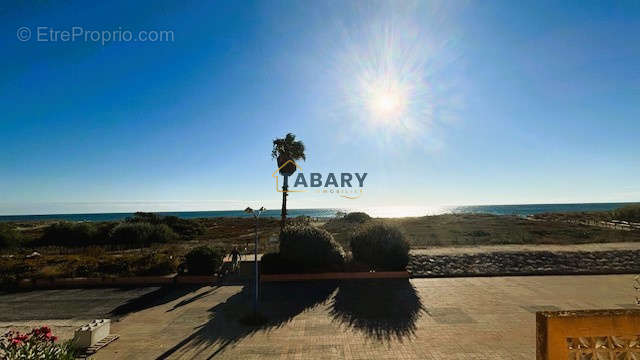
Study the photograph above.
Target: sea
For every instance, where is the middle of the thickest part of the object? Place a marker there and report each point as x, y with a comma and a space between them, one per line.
387, 211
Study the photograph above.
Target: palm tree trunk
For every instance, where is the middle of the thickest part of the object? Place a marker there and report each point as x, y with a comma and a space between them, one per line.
283, 214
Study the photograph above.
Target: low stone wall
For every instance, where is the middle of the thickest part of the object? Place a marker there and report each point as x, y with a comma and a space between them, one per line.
526, 263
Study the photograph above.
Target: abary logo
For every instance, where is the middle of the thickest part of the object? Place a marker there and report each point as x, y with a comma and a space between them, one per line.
347, 185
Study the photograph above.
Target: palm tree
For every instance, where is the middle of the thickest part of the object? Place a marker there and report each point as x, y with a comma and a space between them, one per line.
285, 149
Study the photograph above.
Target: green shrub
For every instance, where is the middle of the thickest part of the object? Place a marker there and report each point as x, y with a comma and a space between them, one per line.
358, 217
103, 232
381, 247
115, 266
137, 234
187, 228
96, 252
204, 260
162, 234
311, 249
80, 267
69, 234
301, 220
9, 237
140, 234
145, 217
629, 213
155, 264
11, 271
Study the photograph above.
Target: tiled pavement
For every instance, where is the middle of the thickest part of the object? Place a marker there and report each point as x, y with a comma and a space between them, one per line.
460, 318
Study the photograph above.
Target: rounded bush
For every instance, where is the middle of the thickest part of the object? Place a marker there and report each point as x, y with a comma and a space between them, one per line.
627, 213
359, 217
9, 237
381, 247
311, 248
162, 234
140, 234
115, 266
156, 264
204, 260
69, 234
187, 228
80, 267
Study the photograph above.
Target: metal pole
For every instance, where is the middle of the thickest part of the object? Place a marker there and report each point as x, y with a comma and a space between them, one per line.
255, 261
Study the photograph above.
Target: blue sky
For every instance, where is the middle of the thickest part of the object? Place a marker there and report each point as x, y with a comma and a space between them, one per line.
501, 102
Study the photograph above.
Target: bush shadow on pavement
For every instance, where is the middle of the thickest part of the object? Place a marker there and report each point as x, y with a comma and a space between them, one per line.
384, 309
279, 303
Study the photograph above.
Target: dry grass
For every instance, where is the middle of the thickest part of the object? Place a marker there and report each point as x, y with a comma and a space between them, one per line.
480, 229
429, 231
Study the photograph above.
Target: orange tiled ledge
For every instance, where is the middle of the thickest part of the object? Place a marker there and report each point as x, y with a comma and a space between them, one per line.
588, 334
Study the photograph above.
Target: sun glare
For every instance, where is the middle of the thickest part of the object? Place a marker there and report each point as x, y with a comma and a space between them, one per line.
386, 102
393, 74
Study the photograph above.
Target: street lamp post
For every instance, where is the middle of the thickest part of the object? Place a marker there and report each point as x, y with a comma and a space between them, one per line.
256, 215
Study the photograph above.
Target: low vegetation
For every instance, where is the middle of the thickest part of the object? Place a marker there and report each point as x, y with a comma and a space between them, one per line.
484, 229
66, 233
147, 244
630, 213
380, 247
99, 264
141, 234
357, 217
66, 237
117, 236
311, 248
9, 237
185, 228
305, 249
204, 260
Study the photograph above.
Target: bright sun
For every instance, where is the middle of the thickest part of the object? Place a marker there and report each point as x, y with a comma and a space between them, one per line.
385, 71
386, 101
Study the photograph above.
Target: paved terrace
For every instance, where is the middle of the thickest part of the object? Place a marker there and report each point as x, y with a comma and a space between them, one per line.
459, 318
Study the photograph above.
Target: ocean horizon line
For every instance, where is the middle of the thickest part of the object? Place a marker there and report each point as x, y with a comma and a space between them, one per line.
379, 211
